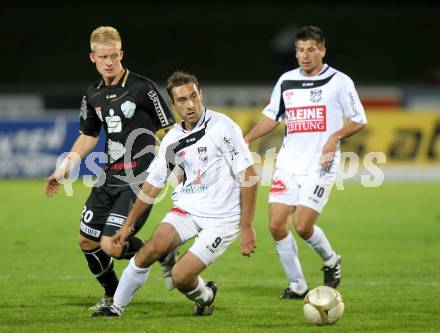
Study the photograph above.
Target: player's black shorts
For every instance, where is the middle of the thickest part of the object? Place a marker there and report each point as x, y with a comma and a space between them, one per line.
106, 210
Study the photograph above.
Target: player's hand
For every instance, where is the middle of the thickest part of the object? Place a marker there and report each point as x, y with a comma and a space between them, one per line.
248, 241
54, 180
328, 152
119, 238
51, 186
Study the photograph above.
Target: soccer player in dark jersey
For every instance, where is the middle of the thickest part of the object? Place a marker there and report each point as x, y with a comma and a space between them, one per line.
131, 110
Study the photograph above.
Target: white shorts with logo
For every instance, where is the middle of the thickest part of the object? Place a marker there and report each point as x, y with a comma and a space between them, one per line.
213, 235
312, 190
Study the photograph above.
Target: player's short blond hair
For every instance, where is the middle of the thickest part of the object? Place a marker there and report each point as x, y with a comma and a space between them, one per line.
106, 35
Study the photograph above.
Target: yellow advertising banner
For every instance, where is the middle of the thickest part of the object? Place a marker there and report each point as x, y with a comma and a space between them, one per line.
410, 138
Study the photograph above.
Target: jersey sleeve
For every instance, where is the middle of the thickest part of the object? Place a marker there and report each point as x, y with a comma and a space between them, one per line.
275, 110
350, 102
160, 111
162, 165
89, 123
157, 175
229, 138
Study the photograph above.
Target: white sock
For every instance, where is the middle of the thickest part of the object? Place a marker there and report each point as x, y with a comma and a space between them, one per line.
132, 279
287, 250
201, 294
319, 242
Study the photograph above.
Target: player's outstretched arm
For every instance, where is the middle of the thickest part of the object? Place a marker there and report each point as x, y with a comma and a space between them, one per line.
266, 125
145, 198
83, 145
248, 196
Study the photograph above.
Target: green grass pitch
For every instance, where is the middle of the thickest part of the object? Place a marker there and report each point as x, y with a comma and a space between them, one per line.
389, 238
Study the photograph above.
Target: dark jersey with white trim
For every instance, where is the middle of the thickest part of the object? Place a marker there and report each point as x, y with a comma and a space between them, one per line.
131, 112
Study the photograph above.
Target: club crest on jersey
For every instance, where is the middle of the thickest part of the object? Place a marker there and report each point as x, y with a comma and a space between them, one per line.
203, 153
128, 109
315, 95
98, 112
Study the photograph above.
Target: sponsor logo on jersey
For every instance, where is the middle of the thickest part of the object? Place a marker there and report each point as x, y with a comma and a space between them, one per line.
128, 109
288, 95
308, 84
114, 124
203, 153
230, 147
190, 188
123, 166
110, 96
158, 107
98, 112
83, 108
277, 186
196, 186
116, 220
306, 119
315, 95
115, 150
89, 231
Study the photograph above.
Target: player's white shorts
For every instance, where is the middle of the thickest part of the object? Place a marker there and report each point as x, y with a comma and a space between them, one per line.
214, 235
312, 190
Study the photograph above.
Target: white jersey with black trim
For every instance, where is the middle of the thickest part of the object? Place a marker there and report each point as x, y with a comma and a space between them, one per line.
313, 108
211, 155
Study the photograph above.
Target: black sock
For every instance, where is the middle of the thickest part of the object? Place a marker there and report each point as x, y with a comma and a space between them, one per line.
132, 245
101, 265
109, 281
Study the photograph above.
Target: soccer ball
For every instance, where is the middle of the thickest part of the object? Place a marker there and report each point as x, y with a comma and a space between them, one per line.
323, 305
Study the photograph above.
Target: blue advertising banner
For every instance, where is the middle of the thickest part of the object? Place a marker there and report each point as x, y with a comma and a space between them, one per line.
30, 148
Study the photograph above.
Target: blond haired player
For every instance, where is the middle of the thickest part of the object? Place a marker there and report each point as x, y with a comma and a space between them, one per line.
122, 103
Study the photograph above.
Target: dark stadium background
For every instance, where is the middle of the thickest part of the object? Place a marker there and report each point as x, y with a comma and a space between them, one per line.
238, 49
230, 43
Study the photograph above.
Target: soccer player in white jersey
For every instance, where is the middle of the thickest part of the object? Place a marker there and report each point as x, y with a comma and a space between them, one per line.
215, 200
313, 101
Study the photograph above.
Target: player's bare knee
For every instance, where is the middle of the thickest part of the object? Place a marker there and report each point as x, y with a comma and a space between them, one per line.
149, 253
83, 243
142, 261
304, 230
278, 230
181, 280
86, 244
